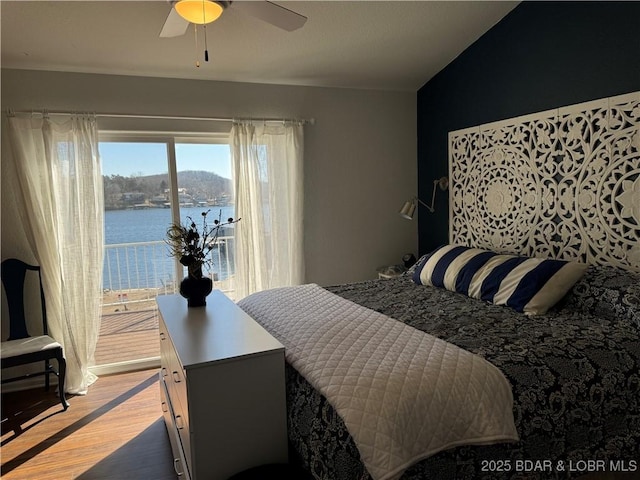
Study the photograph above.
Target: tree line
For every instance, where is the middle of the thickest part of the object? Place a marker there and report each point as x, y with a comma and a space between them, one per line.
123, 192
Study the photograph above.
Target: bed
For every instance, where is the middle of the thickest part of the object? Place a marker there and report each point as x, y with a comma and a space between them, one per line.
575, 374
542, 189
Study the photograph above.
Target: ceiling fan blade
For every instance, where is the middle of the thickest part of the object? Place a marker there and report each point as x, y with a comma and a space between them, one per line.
272, 13
174, 25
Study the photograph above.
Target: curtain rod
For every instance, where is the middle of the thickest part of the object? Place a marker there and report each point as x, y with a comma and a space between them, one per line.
310, 121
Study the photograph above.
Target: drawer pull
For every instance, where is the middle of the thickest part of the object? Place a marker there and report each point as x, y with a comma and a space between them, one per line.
165, 409
175, 462
176, 377
164, 371
162, 336
179, 422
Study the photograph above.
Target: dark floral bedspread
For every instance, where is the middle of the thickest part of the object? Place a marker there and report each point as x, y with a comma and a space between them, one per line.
575, 374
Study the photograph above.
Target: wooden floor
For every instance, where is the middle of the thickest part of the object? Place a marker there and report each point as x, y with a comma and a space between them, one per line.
114, 432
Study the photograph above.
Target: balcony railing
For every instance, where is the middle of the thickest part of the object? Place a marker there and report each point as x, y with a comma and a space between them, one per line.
137, 272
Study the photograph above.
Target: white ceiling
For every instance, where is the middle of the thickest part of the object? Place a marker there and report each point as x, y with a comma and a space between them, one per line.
393, 45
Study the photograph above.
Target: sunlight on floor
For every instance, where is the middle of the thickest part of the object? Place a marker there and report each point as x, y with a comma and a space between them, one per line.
112, 429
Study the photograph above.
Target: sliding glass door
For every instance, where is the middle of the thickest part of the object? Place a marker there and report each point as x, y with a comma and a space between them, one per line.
205, 185
150, 182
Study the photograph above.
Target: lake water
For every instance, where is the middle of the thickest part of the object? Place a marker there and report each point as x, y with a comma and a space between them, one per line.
149, 266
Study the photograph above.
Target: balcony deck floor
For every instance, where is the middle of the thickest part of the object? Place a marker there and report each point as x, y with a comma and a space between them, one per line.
128, 335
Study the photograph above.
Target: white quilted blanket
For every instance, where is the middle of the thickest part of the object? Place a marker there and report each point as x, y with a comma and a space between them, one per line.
403, 394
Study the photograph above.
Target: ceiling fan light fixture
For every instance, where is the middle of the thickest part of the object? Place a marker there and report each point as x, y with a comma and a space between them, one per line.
193, 10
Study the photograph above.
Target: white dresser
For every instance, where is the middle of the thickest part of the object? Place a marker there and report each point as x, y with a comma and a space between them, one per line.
222, 388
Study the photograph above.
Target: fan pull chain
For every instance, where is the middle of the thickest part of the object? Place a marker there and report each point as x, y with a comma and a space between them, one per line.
204, 25
206, 51
195, 30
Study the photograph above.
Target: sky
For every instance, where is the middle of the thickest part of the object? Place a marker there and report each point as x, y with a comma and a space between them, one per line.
128, 158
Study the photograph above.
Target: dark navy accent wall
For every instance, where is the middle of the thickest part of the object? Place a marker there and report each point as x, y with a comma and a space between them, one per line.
542, 55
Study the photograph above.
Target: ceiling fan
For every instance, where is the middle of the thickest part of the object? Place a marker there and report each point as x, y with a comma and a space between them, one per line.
184, 12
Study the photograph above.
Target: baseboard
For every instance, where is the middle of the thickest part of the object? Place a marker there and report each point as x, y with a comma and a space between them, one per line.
128, 366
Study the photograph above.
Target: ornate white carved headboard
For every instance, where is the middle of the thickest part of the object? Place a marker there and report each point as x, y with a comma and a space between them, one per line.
563, 183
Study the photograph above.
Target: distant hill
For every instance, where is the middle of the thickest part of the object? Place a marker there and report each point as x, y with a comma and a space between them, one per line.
123, 192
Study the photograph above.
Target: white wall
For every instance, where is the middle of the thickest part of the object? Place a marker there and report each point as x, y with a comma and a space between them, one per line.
360, 156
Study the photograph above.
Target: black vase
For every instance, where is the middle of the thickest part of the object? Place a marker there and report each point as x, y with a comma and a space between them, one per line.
195, 290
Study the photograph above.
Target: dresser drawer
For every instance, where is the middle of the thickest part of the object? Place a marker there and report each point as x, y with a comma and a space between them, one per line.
181, 419
165, 342
179, 457
176, 381
166, 347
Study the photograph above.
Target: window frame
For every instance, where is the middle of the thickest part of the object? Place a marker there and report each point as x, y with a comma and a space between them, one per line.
170, 139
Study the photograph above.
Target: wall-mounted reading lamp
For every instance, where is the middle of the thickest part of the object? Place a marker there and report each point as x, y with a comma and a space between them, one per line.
409, 207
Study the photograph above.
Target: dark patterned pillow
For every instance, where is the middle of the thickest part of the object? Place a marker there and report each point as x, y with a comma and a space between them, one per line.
417, 266
528, 285
606, 292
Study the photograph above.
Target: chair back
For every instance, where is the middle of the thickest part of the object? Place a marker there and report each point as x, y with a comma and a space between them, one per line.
13, 272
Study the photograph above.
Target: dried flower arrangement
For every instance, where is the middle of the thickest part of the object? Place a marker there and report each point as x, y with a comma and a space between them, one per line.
192, 246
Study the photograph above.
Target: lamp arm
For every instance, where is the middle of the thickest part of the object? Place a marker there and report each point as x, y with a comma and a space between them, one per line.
410, 206
443, 183
428, 207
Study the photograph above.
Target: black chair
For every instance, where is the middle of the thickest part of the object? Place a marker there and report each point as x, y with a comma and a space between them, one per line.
21, 348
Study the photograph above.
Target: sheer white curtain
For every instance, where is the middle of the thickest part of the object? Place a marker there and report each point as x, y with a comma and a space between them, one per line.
58, 183
268, 175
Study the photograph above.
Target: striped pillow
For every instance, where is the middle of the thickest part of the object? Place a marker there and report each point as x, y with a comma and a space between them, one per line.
529, 285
